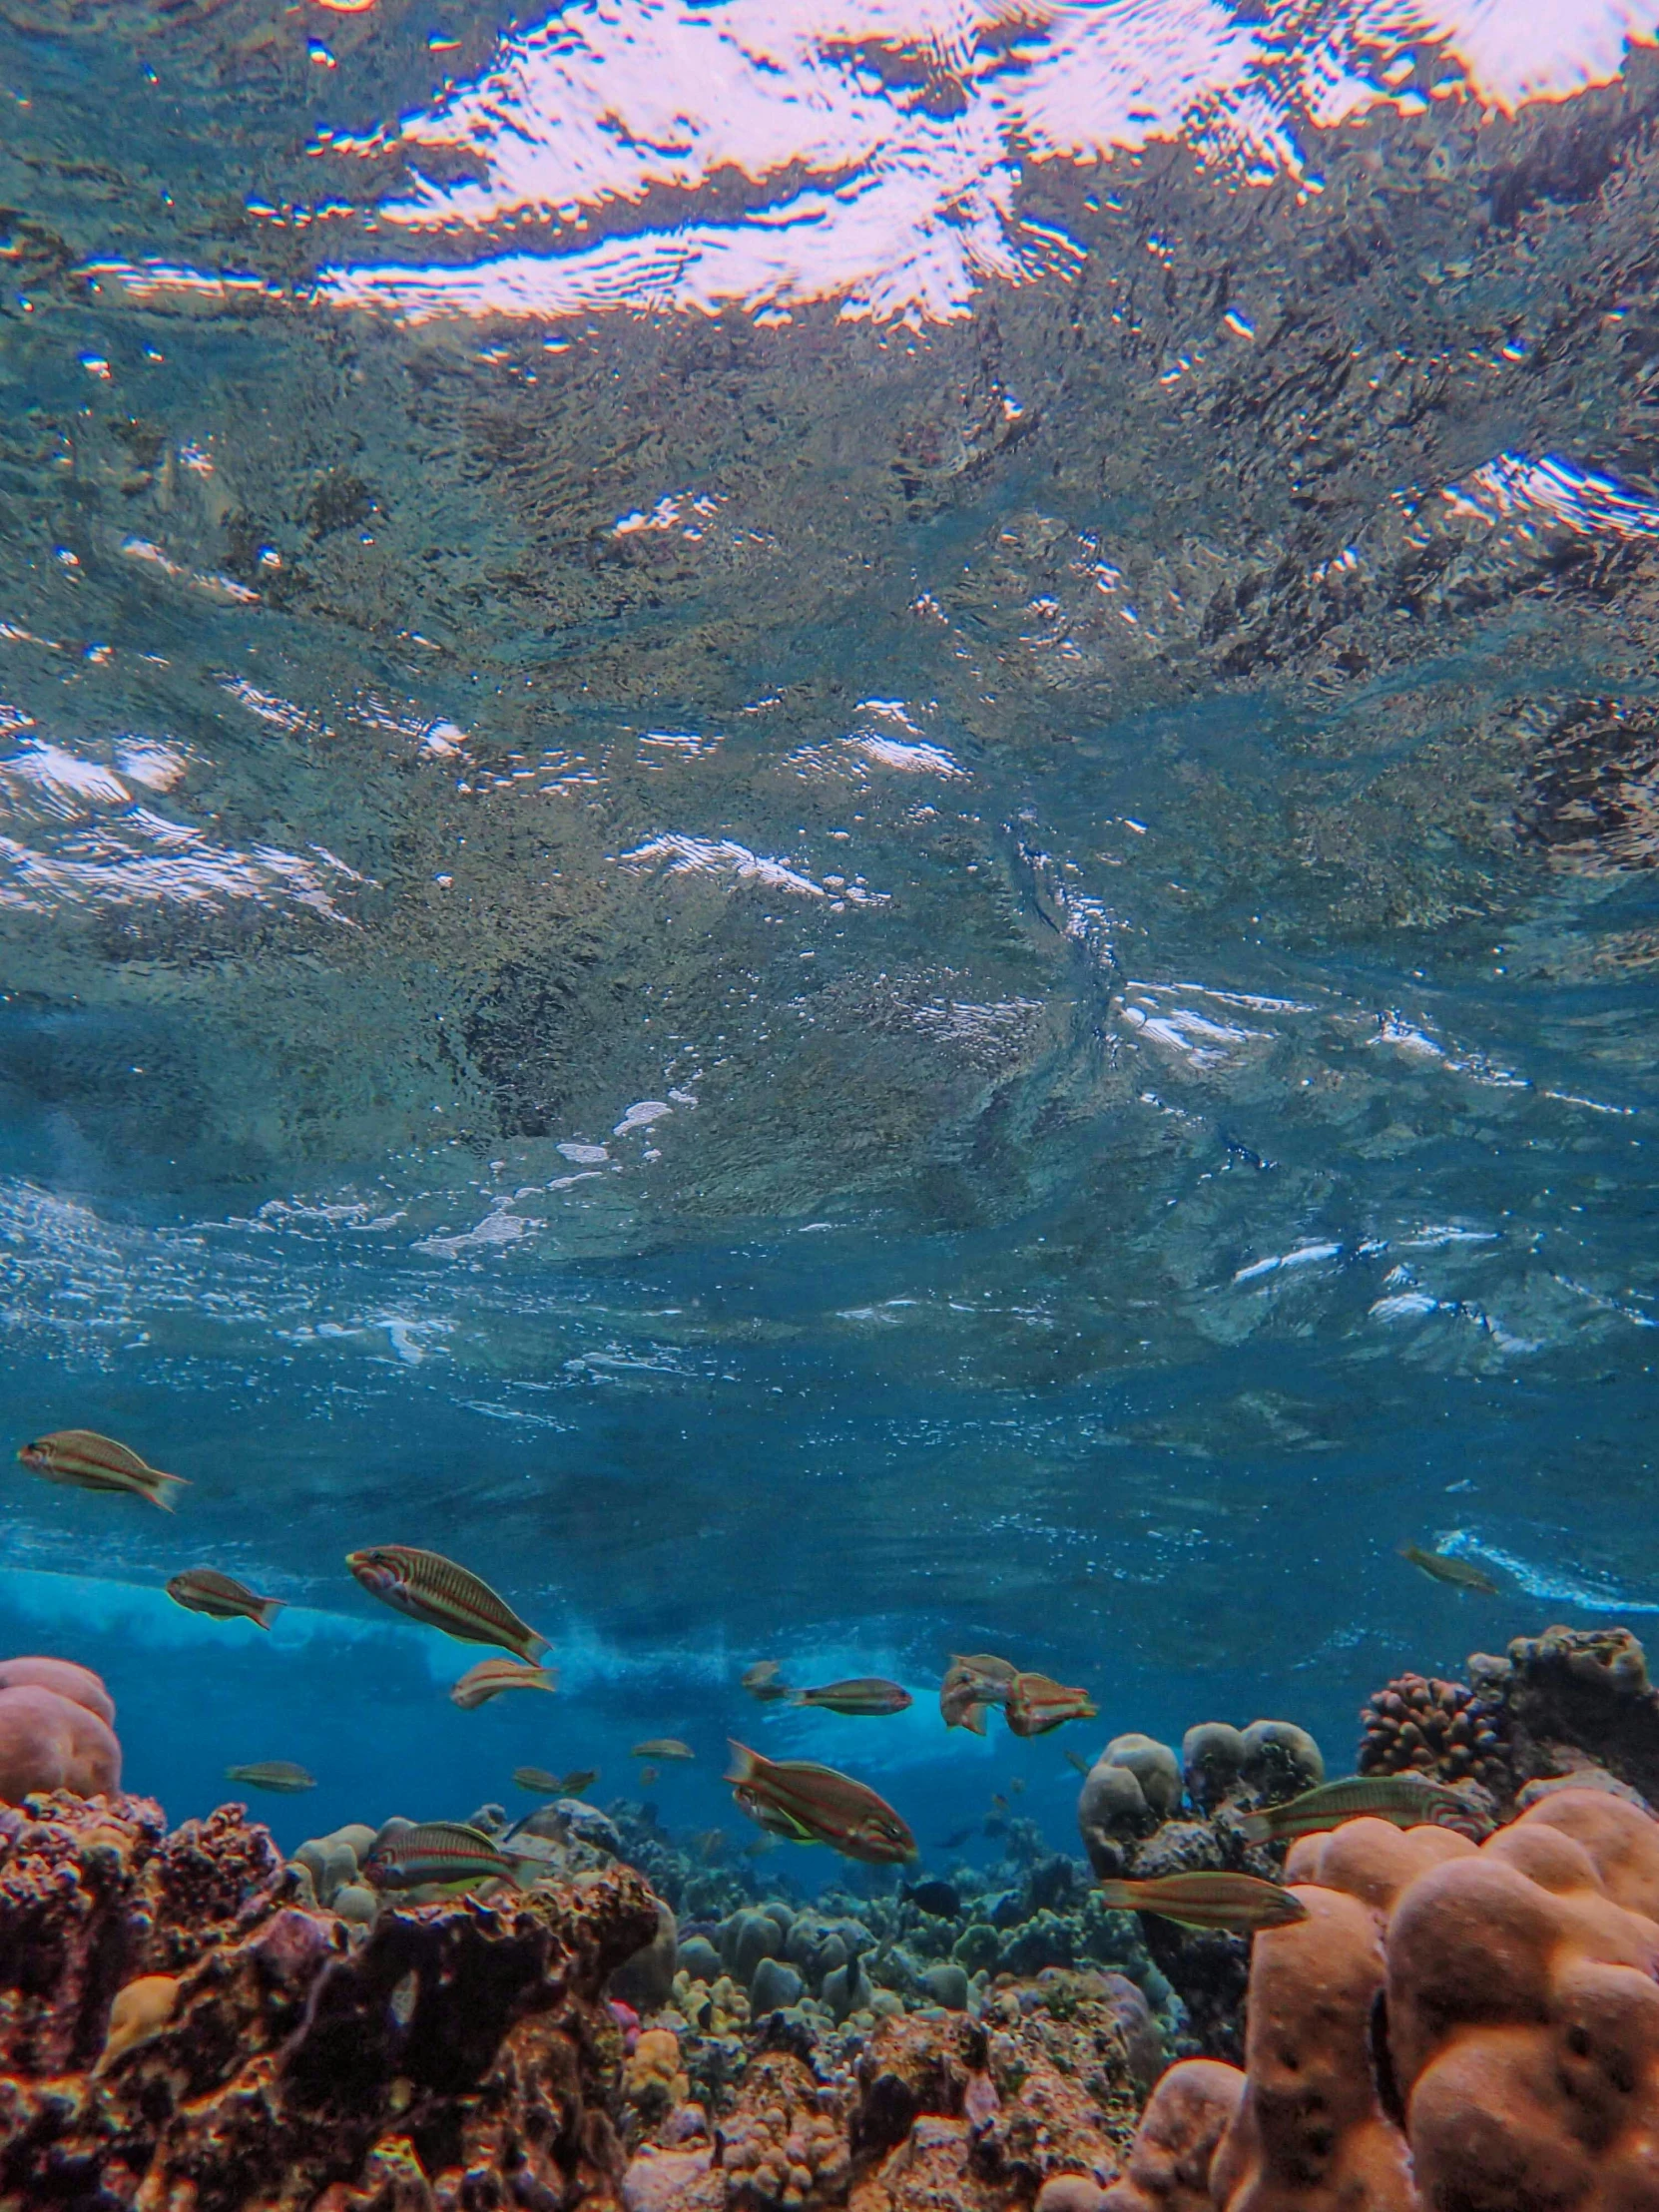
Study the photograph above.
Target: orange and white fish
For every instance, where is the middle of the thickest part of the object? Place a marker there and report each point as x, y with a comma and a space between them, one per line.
970, 1684
430, 1589
1236, 1903
1037, 1704
491, 1676
809, 1803
84, 1460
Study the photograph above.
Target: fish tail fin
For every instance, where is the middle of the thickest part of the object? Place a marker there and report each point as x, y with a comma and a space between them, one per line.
266, 1609
552, 1682
745, 1763
533, 1647
797, 1697
160, 1487
1114, 1895
1256, 1827
973, 1718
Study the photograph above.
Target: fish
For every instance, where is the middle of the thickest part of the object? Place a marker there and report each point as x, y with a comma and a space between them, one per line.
84, 1460
1236, 1903
648, 1776
221, 1598
999, 1803
1396, 1798
941, 1898
433, 1589
662, 1747
280, 1775
491, 1676
446, 1852
972, 1683
578, 1780
537, 1780
866, 1695
710, 1846
1445, 1568
761, 1681
1016, 1787
1076, 1759
1037, 1704
820, 1805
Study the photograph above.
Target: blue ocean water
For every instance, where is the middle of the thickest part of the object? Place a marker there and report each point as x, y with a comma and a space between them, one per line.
834, 831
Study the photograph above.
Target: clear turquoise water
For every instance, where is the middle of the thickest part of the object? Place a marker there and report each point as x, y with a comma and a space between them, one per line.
939, 938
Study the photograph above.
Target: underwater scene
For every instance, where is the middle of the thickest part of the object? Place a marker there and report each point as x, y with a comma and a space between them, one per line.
829, 1083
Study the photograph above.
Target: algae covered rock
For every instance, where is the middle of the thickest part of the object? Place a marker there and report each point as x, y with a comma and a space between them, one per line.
646, 1980
1212, 1760
1280, 1760
1154, 1766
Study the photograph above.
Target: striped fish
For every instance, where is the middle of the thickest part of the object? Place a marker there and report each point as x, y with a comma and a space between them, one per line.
662, 1747
221, 1598
446, 1852
1393, 1797
280, 1775
866, 1695
84, 1460
798, 1798
1037, 1704
430, 1589
1236, 1903
491, 1676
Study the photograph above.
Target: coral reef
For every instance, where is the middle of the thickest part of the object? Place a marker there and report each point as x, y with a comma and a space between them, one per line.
176, 2028
1571, 1707
57, 1730
1451, 2025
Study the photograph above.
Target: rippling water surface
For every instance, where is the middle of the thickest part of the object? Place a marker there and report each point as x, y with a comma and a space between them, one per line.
833, 825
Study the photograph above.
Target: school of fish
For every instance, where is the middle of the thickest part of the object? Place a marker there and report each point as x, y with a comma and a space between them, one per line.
795, 1800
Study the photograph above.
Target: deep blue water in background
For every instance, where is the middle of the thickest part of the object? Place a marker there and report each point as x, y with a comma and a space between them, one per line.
943, 944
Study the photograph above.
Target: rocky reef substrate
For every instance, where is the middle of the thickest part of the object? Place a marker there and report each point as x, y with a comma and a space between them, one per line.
188, 2024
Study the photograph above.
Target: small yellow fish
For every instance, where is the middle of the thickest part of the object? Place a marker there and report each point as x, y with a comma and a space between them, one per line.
221, 1598
761, 1681
280, 1775
1445, 1568
662, 1747
84, 1460
1236, 1903
491, 1676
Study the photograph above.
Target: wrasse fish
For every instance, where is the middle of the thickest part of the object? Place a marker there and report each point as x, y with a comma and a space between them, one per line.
445, 1851
431, 1589
816, 1804
761, 1681
1080, 1763
578, 1780
84, 1460
970, 1684
1396, 1797
1236, 1904
1037, 1704
273, 1774
491, 1676
1445, 1568
662, 1747
221, 1598
866, 1694
538, 1780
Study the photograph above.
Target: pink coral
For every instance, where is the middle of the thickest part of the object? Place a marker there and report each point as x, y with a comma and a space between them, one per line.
49, 1742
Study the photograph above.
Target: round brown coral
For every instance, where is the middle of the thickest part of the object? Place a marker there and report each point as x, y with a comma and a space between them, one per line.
1422, 1725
